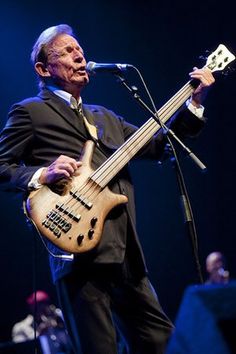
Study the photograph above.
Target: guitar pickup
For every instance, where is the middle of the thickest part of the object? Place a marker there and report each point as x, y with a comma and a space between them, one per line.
70, 213
82, 199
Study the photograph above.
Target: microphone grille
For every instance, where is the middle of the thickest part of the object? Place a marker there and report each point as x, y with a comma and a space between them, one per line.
90, 66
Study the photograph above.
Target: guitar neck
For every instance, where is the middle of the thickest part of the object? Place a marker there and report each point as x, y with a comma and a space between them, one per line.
109, 169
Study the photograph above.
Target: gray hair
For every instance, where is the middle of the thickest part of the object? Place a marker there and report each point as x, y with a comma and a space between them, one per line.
39, 52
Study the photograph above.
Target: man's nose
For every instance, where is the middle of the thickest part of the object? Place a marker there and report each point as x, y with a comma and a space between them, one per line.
78, 56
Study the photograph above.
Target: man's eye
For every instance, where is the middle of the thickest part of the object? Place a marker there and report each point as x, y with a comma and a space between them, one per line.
69, 49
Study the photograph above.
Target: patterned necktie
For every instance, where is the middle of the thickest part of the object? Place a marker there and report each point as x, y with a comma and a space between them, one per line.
90, 127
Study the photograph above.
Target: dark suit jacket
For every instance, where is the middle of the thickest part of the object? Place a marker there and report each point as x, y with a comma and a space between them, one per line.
41, 128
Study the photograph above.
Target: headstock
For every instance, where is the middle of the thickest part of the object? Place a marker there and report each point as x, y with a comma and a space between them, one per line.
219, 59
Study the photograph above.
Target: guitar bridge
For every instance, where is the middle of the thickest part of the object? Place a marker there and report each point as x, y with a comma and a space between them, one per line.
56, 223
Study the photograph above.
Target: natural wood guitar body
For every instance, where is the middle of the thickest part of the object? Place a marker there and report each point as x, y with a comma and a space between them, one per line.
74, 221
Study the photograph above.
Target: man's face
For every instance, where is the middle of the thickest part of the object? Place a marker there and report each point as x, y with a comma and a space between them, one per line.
66, 63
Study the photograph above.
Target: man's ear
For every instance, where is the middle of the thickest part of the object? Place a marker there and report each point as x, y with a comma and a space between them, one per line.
41, 69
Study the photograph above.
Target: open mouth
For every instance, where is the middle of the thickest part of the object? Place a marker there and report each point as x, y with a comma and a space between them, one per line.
81, 70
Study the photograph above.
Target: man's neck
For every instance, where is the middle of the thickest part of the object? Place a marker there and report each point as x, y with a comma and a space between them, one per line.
67, 96
74, 90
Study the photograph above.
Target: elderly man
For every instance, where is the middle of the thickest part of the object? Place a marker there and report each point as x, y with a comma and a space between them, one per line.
42, 144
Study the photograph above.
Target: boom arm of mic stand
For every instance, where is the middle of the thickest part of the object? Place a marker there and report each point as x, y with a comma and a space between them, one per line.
186, 206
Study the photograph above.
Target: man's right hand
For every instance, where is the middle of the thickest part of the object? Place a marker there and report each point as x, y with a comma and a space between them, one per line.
63, 167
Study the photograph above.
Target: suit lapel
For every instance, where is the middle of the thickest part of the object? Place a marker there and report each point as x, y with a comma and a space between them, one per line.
58, 105
93, 115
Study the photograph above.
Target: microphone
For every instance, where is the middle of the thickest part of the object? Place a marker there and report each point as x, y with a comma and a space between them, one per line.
93, 68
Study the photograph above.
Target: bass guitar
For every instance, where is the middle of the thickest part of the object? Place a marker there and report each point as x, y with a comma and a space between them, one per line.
74, 221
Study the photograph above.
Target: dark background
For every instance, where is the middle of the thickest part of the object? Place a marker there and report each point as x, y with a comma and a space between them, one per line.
164, 40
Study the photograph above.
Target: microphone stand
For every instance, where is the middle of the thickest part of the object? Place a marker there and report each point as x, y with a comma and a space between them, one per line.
185, 202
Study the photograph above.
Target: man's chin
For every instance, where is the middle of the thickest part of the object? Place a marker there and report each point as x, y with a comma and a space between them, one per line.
83, 80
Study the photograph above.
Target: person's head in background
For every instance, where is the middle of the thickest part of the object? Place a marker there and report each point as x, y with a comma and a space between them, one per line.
215, 267
38, 303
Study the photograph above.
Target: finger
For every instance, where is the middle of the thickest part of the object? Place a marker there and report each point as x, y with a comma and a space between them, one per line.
203, 72
194, 69
62, 159
52, 175
79, 163
66, 166
206, 78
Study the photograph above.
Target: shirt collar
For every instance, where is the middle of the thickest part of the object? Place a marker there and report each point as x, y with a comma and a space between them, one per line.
66, 96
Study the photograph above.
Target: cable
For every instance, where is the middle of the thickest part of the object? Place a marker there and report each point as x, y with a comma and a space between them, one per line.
65, 257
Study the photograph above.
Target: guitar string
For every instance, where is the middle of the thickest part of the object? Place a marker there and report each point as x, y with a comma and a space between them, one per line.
150, 128
145, 132
161, 112
90, 186
153, 125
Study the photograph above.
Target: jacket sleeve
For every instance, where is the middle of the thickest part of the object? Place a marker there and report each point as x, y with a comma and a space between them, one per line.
15, 141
